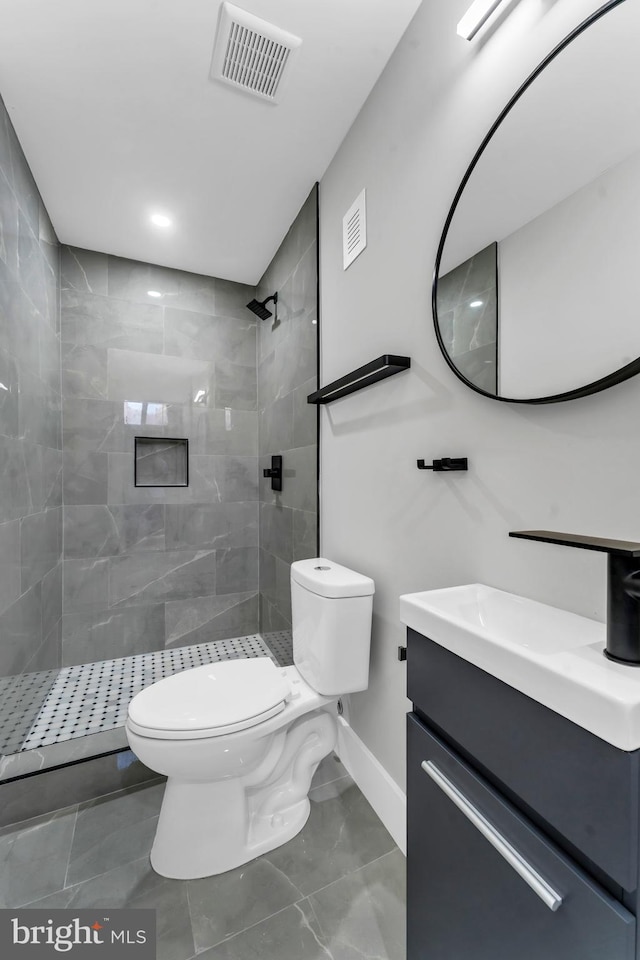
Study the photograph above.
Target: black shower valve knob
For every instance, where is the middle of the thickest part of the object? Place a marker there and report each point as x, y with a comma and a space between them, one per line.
275, 473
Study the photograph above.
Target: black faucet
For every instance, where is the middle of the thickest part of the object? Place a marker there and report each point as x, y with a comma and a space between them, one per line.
623, 588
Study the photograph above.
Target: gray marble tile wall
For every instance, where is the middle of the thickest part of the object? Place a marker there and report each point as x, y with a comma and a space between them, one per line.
148, 351
30, 420
468, 317
287, 373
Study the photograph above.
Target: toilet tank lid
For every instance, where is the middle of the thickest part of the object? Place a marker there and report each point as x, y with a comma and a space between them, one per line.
329, 579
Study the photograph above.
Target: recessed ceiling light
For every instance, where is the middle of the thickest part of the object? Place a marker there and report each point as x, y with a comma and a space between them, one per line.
160, 220
476, 303
153, 293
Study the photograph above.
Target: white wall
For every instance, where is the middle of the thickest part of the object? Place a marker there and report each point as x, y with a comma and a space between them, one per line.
568, 284
571, 467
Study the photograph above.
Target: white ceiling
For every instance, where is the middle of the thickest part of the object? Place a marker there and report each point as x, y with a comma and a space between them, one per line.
112, 102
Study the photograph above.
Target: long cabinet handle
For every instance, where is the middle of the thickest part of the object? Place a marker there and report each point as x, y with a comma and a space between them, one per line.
550, 897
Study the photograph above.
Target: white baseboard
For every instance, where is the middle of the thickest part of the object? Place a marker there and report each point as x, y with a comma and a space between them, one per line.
382, 792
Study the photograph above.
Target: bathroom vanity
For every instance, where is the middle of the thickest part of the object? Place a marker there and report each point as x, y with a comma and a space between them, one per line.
523, 824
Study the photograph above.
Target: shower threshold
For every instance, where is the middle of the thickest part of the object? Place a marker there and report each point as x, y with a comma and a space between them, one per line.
57, 717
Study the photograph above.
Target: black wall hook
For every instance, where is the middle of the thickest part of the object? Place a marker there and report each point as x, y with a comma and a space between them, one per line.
445, 465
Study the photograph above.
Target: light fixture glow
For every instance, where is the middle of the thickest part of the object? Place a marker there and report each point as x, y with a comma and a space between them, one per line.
476, 303
477, 14
153, 293
160, 220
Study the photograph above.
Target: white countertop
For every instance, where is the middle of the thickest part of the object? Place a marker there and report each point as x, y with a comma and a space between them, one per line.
553, 656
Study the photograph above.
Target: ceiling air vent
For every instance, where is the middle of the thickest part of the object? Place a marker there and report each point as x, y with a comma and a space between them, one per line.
252, 54
354, 230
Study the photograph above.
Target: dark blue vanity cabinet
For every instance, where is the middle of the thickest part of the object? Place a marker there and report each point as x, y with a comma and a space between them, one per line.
522, 827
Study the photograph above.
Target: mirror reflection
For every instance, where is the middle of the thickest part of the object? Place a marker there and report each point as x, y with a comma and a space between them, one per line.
536, 292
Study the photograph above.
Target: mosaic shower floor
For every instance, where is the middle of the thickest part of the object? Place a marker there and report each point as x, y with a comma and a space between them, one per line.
41, 709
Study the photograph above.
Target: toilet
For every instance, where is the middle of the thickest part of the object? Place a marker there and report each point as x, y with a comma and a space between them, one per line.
240, 740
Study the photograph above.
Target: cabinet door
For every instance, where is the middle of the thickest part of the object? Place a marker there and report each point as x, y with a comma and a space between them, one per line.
484, 884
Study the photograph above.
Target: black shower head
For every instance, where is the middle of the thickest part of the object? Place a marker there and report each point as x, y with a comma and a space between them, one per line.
260, 307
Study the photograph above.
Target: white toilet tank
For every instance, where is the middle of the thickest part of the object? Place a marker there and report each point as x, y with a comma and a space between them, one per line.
331, 614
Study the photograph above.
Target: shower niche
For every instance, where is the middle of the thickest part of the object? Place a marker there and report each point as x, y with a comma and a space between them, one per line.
161, 462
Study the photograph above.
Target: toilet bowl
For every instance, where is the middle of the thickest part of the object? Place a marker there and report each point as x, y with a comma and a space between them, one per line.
239, 741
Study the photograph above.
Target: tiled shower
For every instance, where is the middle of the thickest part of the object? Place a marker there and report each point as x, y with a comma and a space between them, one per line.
96, 351
147, 567
287, 374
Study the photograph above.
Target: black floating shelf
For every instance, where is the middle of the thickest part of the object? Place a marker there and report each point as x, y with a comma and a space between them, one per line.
385, 366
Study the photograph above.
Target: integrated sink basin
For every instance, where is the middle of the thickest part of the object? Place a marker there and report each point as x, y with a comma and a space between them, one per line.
553, 656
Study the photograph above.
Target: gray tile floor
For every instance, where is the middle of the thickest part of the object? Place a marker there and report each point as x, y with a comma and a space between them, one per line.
334, 892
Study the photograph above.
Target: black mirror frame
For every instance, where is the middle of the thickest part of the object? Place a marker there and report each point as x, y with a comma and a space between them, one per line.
624, 373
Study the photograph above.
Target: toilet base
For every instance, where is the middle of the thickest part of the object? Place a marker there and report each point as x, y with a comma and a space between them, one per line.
206, 828
210, 860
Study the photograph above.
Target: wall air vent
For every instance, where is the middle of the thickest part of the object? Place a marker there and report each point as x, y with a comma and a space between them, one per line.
354, 230
252, 54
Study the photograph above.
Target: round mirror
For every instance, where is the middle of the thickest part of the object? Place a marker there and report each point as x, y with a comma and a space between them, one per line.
536, 291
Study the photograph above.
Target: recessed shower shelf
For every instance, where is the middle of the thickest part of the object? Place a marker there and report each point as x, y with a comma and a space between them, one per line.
385, 366
161, 462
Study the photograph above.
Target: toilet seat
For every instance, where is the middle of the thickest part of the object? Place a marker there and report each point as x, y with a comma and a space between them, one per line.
210, 701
